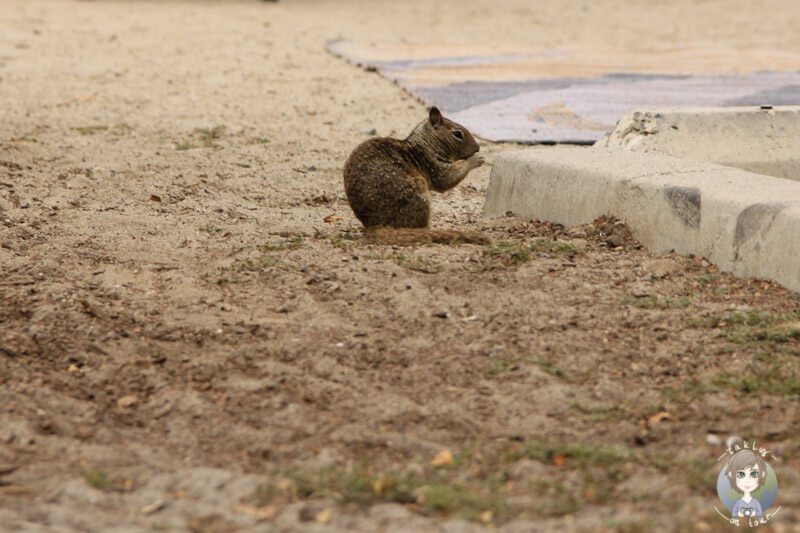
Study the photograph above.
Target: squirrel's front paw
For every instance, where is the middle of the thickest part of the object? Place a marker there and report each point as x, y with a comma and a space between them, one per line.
476, 160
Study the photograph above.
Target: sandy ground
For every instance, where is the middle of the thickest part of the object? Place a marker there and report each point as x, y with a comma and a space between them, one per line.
194, 336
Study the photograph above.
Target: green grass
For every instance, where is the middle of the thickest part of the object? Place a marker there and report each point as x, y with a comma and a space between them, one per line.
291, 241
512, 361
752, 326
426, 266
344, 239
90, 130
550, 366
479, 484
705, 279
654, 302
504, 255
576, 454
599, 413
96, 478
777, 379
555, 248
100, 480
260, 263
233, 274
207, 138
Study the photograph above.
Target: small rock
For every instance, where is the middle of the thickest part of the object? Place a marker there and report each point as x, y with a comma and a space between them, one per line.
306, 514
615, 240
127, 401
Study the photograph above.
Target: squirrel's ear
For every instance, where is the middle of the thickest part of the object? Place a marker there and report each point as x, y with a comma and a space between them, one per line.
435, 116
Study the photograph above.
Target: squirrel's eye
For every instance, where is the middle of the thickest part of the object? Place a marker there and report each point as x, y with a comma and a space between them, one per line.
457, 134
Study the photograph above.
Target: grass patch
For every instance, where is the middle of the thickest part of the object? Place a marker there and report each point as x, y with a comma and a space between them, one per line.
699, 475
691, 390
100, 480
209, 136
206, 138
90, 130
232, 274
553, 248
343, 239
481, 484
775, 379
291, 241
705, 279
550, 366
576, 454
752, 326
654, 302
513, 362
432, 490
504, 255
96, 478
260, 263
599, 413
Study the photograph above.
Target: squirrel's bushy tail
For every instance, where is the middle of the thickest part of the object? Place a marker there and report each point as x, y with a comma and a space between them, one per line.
401, 236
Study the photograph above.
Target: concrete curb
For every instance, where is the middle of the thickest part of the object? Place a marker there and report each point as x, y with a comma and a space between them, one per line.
765, 141
745, 223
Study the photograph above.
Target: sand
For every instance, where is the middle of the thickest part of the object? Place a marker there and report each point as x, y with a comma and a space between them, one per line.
195, 336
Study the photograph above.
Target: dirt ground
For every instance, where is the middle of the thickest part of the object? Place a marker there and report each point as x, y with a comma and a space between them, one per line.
195, 336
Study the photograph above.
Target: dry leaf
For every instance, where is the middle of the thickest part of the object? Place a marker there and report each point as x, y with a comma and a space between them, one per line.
264, 513
659, 417
153, 507
15, 490
324, 516
590, 496
560, 459
486, 517
155, 198
702, 526
444, 457
331, 219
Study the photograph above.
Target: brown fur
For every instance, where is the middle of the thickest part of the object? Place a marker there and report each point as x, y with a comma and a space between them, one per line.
388, 181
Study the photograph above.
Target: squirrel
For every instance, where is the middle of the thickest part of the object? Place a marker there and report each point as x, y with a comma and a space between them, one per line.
388, 181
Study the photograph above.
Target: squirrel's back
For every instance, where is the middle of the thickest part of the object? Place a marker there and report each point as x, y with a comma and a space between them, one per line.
384, 185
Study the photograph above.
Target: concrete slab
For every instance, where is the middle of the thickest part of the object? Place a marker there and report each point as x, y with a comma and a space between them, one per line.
765, 141
745, 223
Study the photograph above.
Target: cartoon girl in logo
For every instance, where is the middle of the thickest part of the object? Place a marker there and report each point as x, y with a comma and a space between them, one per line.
747, 472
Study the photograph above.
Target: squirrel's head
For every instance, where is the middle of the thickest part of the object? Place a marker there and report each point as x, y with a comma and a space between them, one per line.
455, 140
